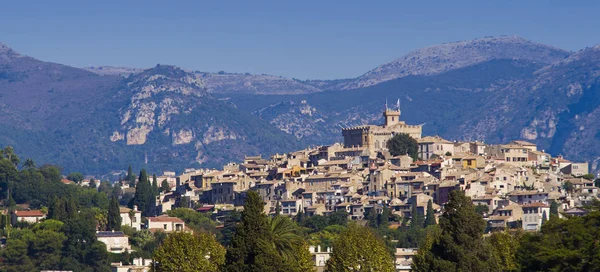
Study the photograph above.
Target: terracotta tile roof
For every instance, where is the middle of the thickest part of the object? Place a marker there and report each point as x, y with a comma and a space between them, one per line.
34, 213
165, 219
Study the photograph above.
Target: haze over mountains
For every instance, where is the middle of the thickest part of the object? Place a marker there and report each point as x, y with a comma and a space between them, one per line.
100, 119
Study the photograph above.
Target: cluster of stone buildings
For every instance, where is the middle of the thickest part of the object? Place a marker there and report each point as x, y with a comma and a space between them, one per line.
513, 184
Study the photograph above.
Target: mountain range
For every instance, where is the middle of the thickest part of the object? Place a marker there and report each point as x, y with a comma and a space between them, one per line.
100, 119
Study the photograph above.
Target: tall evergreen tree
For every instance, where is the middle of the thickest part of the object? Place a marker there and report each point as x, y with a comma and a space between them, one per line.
417, 220
164, 186
251, 247
130, 178
430, 216
143, 197
553, 208
114, 215
459, 246
154, 185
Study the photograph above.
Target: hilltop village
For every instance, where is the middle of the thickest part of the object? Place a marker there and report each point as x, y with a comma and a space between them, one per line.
512, 185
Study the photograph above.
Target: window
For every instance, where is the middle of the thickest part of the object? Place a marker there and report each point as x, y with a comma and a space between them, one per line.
134, 219
165, 226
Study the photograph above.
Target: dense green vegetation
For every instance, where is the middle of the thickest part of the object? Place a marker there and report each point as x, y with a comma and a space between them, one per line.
403, 144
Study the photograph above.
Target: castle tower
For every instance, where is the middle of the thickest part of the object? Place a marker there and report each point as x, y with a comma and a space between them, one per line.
391, 117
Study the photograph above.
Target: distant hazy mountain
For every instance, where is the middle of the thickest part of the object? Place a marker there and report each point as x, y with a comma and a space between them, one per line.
437, 59
161, 118
113, 70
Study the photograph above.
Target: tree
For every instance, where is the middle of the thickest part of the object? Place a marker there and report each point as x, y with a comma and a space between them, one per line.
164, 186
29, 164
277, 209
544, 217
229, 226
430, 217
459, 245
250, 248
185, 252
155, 185
143, 197
75, 177
359, 249
417, 220
403, 144
562, 245
114, 215
93, 184
504, 246
553, 208
481, 209
285, 236
568, 186
448, 154
130, 178
9, 154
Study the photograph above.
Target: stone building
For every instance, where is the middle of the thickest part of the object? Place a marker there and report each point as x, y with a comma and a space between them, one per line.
374, 137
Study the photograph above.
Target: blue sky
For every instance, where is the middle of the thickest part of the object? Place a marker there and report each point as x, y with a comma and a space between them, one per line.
301, 39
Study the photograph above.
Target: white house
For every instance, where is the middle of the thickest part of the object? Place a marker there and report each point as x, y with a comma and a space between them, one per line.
116, 241
132, 218
31, 217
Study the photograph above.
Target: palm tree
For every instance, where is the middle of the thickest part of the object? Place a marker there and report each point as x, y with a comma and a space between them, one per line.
285, 236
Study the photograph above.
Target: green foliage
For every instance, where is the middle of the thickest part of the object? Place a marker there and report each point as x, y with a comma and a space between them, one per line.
143, 198
164, 186
459, 245
553, 208
403, 144
359, 249
417, 220
430, 217
155, 190
504, 246
568, 186
250, 248
187, 252
75, 176
589, 176
114, 215
563, 245
325, 237
193, 219
481, 209
229, 227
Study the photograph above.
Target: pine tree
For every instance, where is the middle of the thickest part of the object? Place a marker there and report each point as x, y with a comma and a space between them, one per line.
459, 244
384, 218
114, 215
251, 246
430, 217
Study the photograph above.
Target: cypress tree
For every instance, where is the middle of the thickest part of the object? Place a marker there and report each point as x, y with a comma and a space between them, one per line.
130, 178
154, 185
417, 219
143, 197
553, 208
430, 217
114, 215
277, 209
164, 186
251, 246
